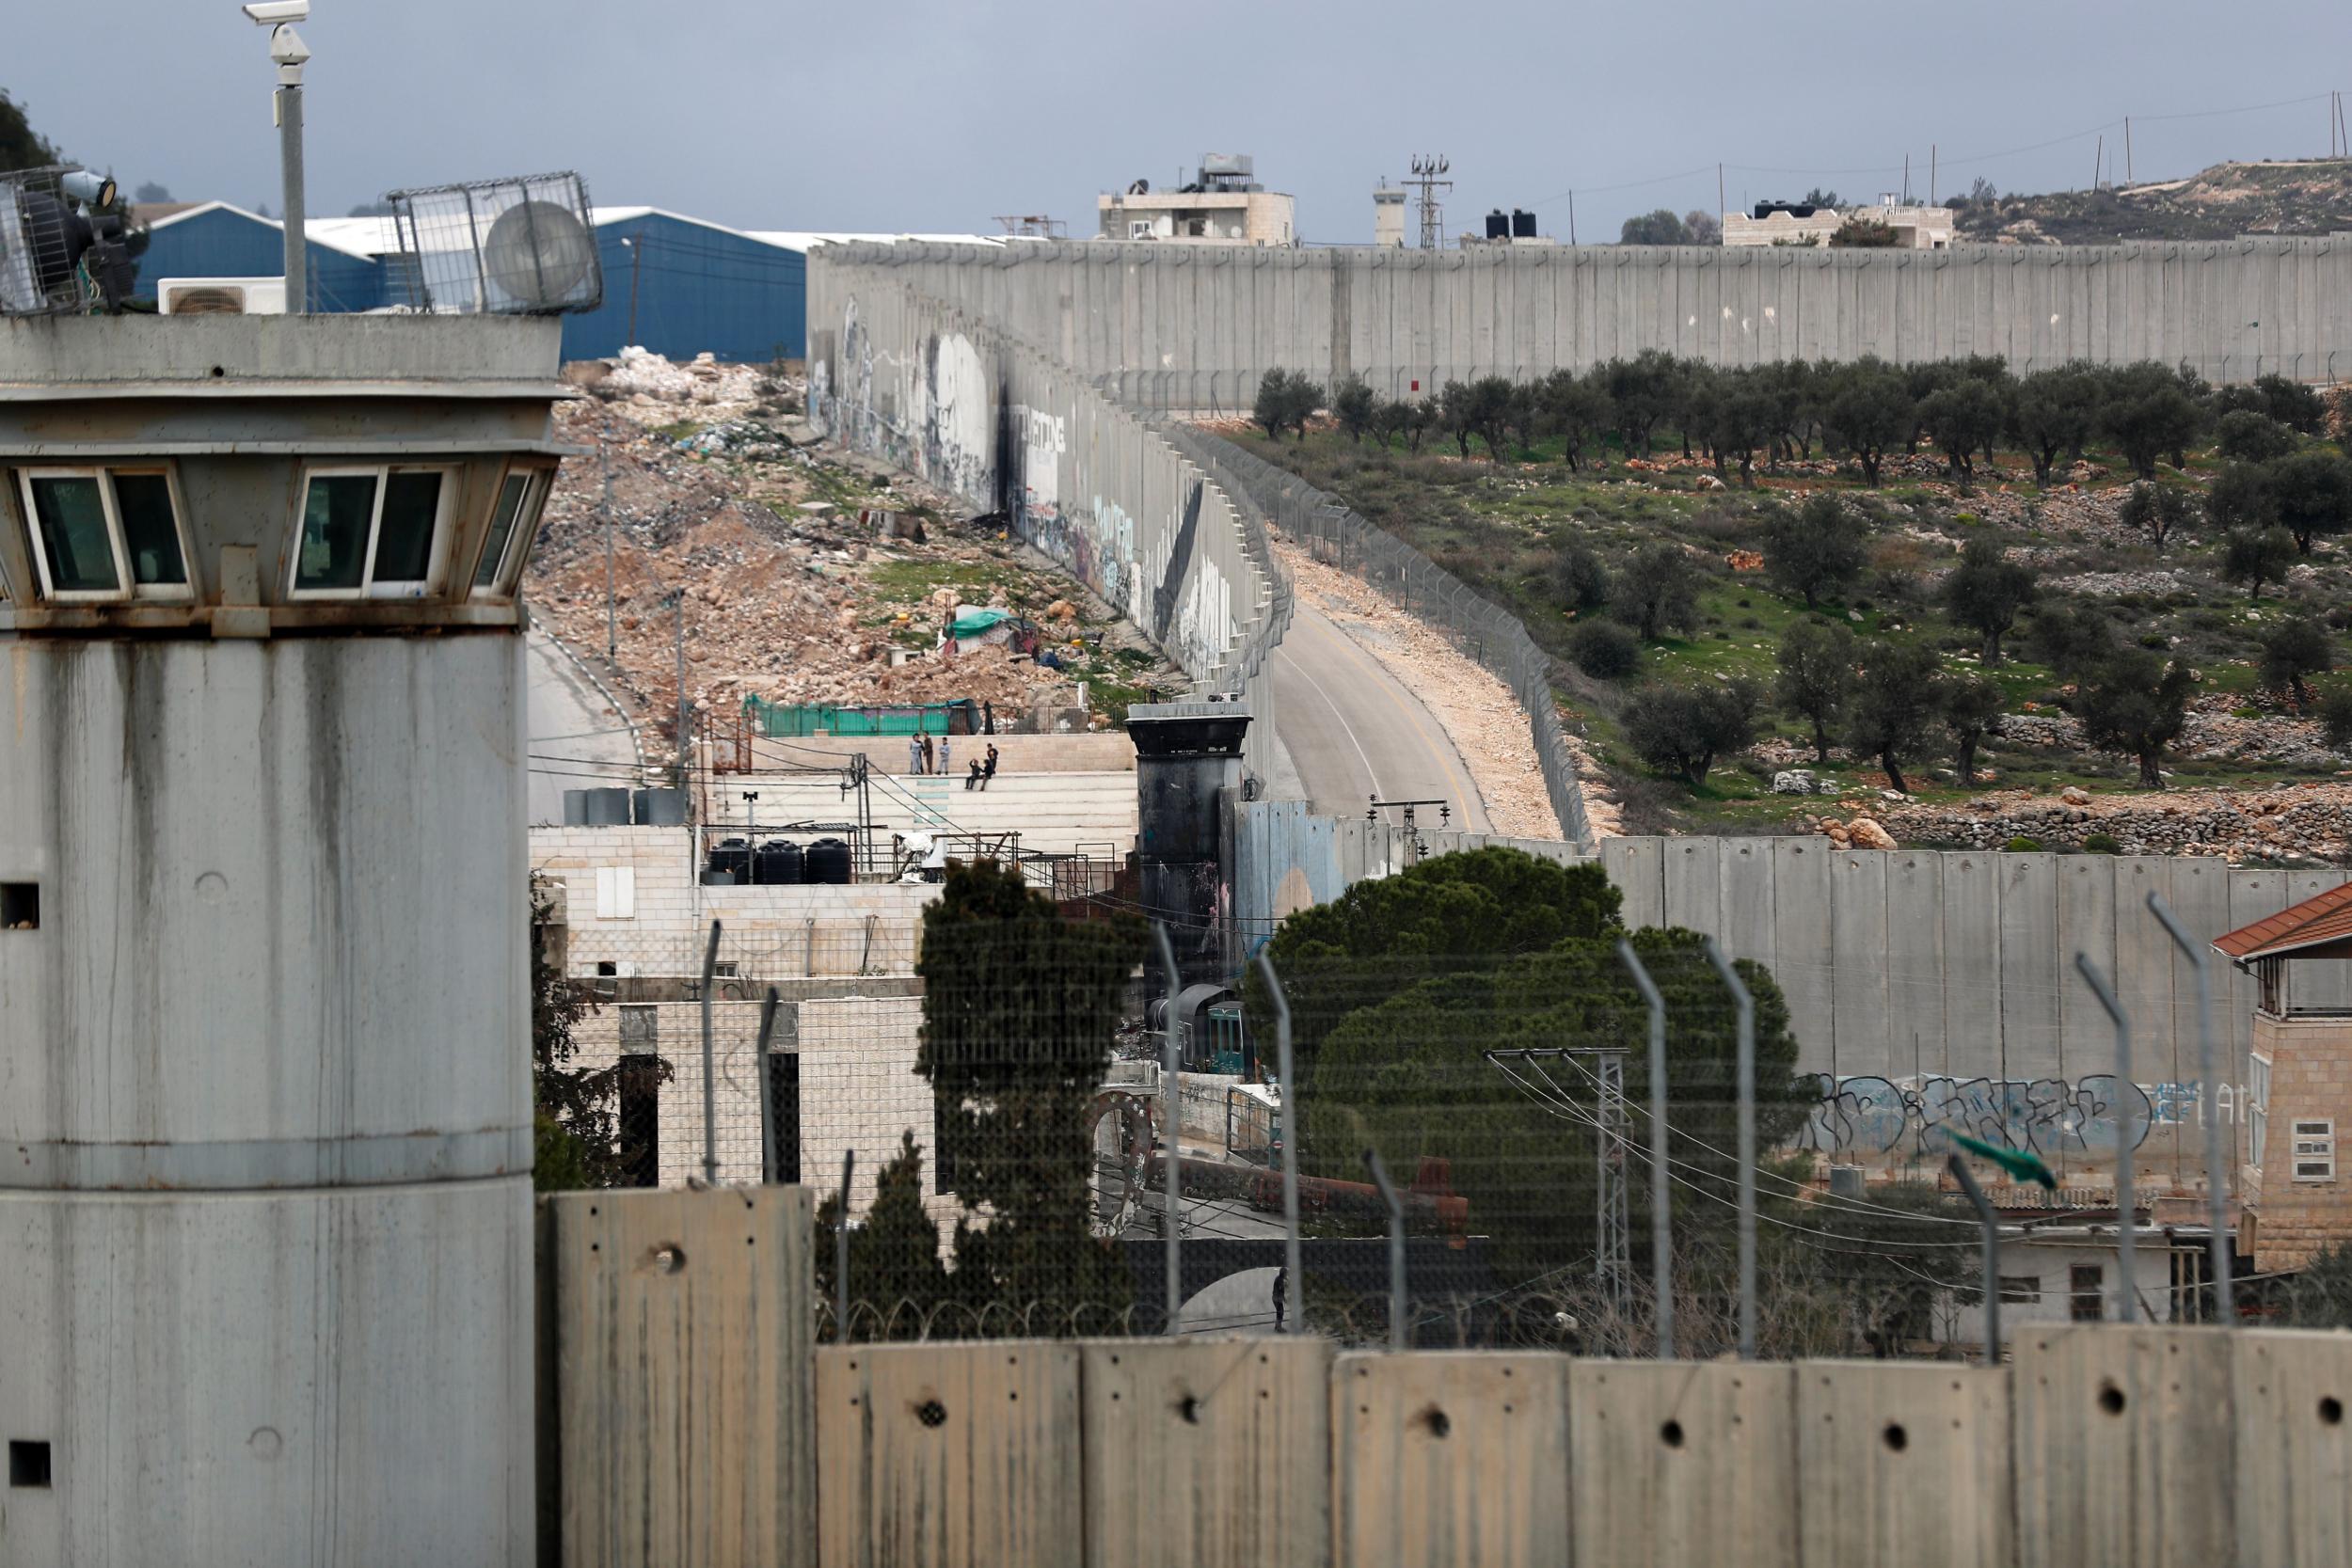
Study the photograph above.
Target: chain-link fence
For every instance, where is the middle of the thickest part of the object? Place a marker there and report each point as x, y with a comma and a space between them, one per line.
1337, 536
1600, 1143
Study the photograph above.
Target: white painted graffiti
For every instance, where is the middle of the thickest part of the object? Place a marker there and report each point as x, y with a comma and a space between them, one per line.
1869, 1117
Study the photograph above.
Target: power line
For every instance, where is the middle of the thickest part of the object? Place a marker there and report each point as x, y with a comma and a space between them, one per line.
1966, 160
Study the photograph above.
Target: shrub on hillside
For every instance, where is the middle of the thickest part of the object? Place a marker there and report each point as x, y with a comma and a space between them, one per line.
1605, 650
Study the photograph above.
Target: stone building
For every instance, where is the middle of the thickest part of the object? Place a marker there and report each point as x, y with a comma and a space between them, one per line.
1221, 205
1783, 223
2294, 1197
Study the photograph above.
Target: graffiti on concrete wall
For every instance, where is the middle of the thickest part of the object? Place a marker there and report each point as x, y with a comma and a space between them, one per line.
958, 434
1043, 437
1872, 1118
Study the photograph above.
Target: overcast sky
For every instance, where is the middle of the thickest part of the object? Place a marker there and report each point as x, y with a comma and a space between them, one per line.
929, 116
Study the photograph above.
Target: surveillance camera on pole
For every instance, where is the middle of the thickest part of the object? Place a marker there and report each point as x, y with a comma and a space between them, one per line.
288, 51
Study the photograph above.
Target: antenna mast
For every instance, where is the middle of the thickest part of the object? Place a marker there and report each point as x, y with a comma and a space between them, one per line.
1427, 172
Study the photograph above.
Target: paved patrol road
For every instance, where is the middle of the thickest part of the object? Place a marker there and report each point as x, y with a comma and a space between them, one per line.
1354, 730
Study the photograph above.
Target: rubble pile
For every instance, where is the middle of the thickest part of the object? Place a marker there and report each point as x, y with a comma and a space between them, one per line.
773, 555
2213, 729
2302, 824
650, 382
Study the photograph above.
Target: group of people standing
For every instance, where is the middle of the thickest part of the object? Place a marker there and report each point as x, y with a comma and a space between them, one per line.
922, 757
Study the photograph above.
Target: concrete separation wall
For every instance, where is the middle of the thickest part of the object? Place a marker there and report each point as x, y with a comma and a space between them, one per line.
961, 402
1900, 967
1245, 1423
1450, 1456
683, 1425
677, 1424
951, 1456
1683, 1465
1186, 328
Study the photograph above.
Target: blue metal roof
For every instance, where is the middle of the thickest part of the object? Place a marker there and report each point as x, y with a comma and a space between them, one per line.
671, 284
228, 241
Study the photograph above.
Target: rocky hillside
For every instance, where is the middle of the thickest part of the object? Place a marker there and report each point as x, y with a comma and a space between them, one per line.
2311, 197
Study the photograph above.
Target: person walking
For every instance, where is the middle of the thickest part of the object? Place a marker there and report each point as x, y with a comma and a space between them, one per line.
926, 753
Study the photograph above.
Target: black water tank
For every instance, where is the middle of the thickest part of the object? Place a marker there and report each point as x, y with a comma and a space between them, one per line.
778, 863
734, 857
1522, 224
829, 863
1498, 225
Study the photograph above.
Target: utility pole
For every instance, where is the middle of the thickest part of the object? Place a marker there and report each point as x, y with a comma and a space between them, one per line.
2127, 149
1571, 217
2097, 154
679, 600
1931, 174
636, 244
1720, 208
1427, 168
288, 51
1906, 179
612, 614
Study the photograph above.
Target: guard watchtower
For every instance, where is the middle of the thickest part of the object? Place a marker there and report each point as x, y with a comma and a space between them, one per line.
264, 973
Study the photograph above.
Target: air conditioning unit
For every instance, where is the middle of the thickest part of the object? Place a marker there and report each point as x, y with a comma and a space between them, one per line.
221, 296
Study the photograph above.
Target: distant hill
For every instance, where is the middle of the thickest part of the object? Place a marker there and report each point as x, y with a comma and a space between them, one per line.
2312, 197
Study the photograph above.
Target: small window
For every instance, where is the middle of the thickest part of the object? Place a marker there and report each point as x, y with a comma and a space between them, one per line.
106, 533
404, 536
784, 1114
2315, 1150
70, 514
616, 893
20, 905
28, 1463
512, 523
2089, 1305
150, 528
370, 533
638, 1120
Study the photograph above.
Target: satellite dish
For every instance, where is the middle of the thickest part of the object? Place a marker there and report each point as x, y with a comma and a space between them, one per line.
537, 254
518, 247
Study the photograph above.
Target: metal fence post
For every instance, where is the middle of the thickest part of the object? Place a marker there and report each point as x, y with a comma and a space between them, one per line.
761, 1066
1992, 1260
2216, 1170
1660, 1218
710, 1076
1744, 1087
1397, 1335
2125, 1210
1291, 1271
1171, 1110
841, 1254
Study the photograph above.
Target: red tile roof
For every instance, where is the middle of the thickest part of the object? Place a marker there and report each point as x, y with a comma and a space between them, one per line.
2322, 918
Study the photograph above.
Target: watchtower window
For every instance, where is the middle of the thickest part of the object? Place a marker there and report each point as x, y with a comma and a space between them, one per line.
106, 533
74, 540
501, 533
370, 533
